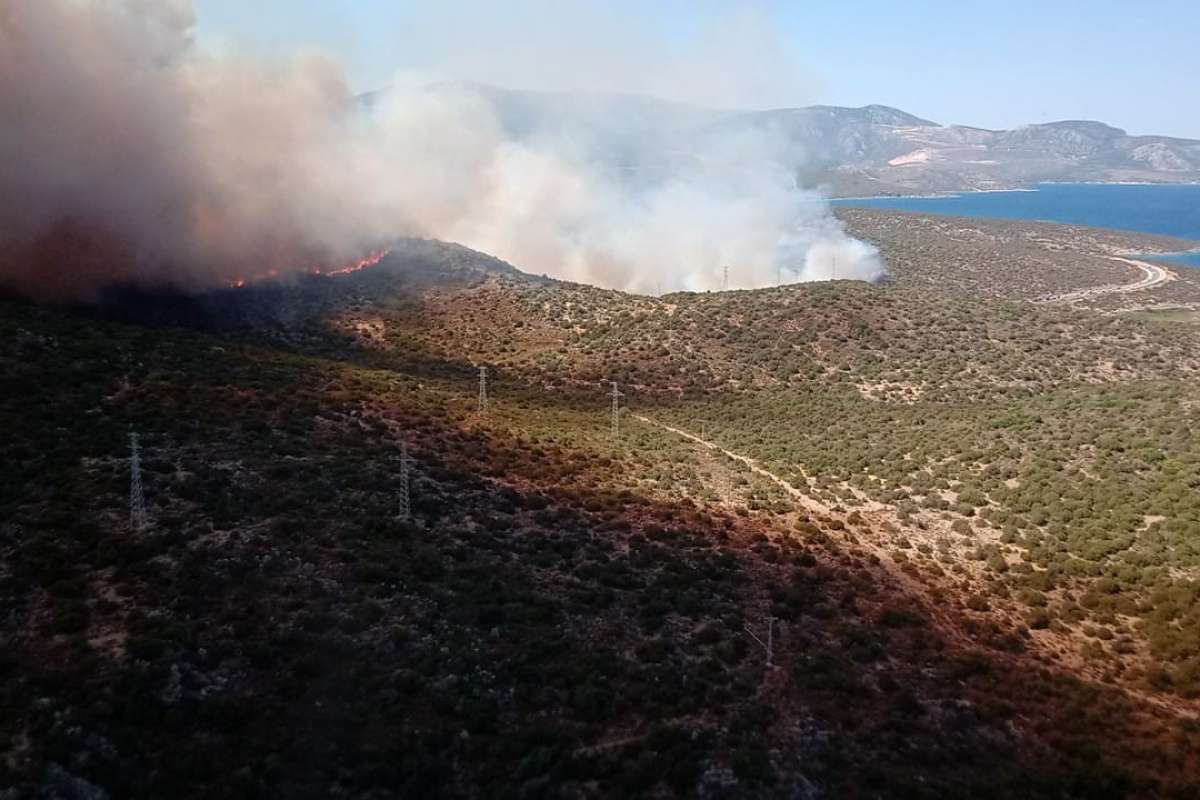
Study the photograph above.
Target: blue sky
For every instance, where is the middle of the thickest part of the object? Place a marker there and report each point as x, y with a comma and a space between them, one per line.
1132, 64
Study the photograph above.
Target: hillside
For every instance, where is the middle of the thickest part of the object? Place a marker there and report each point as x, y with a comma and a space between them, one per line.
851, 151
922, 158
971, 519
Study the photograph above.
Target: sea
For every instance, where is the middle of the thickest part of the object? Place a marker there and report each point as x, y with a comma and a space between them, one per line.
1172, 210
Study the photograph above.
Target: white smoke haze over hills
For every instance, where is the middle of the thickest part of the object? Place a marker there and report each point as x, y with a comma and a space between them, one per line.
132, 154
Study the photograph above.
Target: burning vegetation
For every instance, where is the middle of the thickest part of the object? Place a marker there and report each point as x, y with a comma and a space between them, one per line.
121, 129
370, 260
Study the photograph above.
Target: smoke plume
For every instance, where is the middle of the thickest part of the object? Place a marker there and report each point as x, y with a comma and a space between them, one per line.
131, 154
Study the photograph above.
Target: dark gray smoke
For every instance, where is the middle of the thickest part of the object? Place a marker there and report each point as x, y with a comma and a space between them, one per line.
130, 154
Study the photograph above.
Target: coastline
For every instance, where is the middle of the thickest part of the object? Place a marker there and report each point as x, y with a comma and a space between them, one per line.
1120, 183
933, 196
1171, 219
968, 192
1086, 265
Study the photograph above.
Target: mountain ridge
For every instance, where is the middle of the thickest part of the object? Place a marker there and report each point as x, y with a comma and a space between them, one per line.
847, 151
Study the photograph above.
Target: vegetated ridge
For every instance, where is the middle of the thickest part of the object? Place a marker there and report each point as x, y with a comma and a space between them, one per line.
970, 517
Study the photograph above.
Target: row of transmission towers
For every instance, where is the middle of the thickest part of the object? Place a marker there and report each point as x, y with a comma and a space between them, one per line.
138, 520
833, 273
404, 489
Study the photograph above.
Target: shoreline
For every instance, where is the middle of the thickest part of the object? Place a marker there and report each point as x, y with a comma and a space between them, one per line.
1183, 259
1190, 241
968, 192
934, 196
1042, 261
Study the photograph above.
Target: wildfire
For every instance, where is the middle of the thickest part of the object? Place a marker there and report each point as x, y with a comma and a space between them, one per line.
370, 260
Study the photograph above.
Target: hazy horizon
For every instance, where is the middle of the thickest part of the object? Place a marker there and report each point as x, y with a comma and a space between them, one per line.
953, 65
754, 109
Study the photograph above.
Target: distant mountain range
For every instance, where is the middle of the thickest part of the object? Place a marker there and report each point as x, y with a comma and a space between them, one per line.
878, 150
871, 150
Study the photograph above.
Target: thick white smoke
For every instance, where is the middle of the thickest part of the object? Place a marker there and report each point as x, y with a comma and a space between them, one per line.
131, 154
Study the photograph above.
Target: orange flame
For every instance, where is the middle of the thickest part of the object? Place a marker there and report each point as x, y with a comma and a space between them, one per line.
370, 260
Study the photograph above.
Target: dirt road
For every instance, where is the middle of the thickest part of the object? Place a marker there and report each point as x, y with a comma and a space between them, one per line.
809, 503
1152, 275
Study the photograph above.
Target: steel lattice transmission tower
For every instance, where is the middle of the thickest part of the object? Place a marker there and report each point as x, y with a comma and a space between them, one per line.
724, 485
403, 495
769, 644
725, 278
137, 501
483, 398
616, 396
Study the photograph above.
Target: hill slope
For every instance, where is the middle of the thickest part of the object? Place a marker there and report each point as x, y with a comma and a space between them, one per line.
982, 582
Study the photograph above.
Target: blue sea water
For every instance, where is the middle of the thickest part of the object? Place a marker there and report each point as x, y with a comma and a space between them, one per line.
1169, 210
1182, 259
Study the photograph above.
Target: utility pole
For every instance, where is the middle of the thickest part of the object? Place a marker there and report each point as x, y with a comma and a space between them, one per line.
483, 399
769, 644
616, 411
137, 502
404, 499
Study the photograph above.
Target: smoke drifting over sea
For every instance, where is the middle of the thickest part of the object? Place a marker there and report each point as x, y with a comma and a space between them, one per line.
129, 153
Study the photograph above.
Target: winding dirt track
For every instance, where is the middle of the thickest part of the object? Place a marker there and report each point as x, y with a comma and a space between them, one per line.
868, 543
809, 503
946, 623
1152, 275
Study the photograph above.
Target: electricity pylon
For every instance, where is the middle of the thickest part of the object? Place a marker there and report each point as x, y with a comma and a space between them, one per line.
403, 497
616, 411
483, 398
769, 644
725, 278
137, 502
